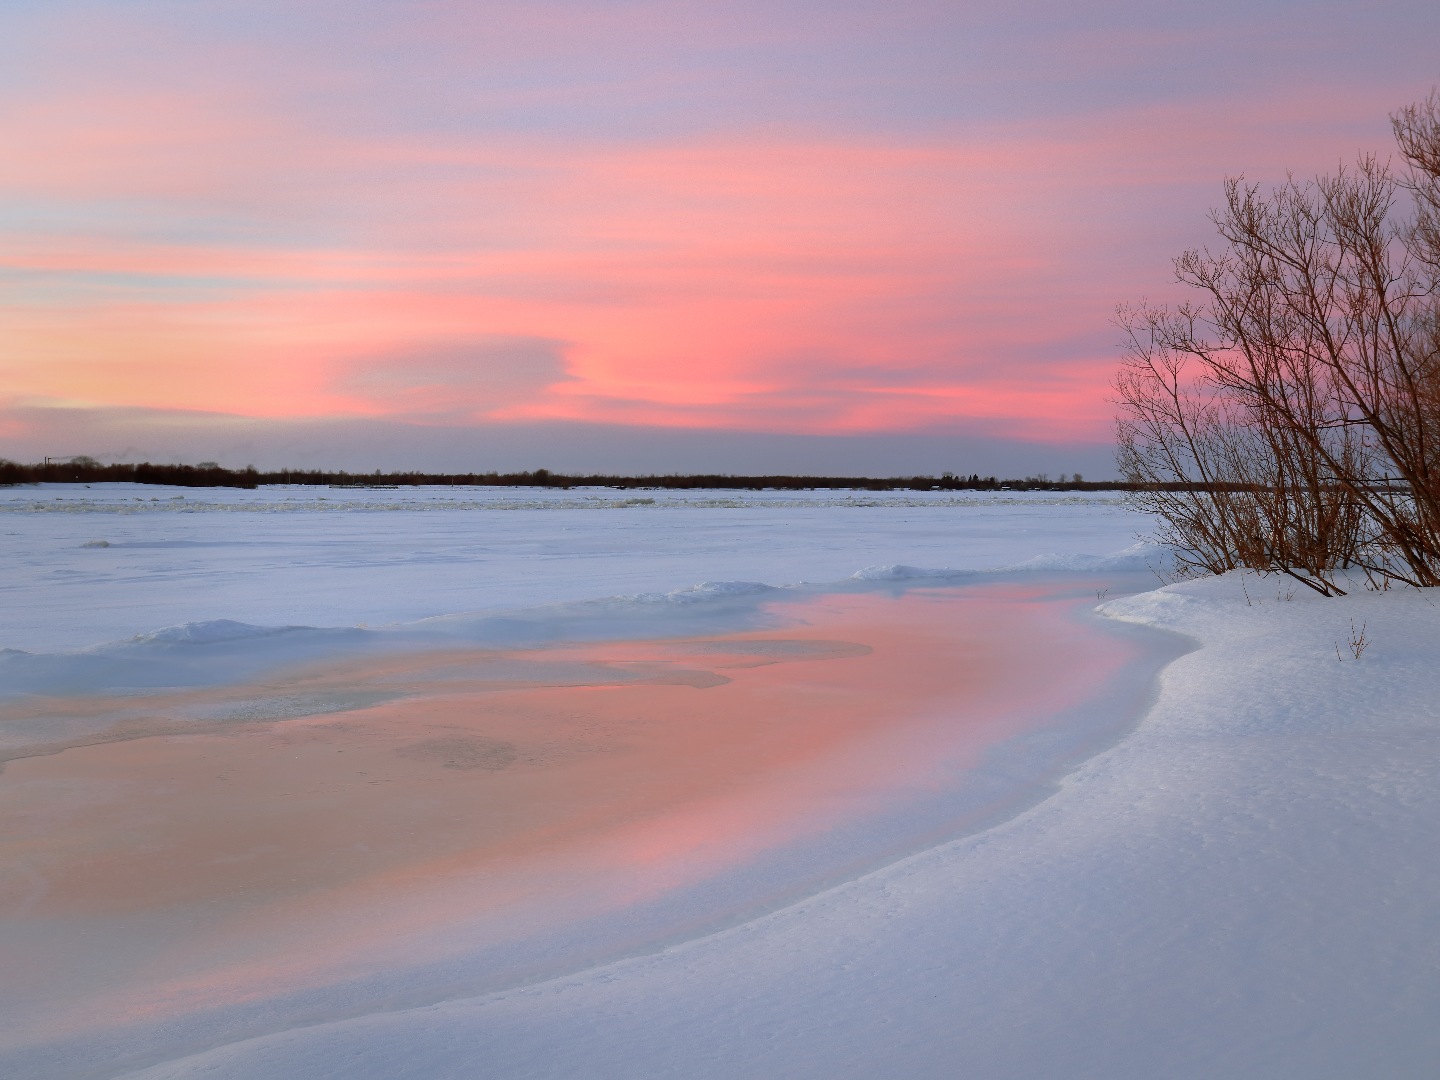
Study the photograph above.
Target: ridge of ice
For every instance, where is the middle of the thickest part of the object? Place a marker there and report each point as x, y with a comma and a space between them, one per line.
710, 589
1144, 555
1137, 557
901, 572
209, 631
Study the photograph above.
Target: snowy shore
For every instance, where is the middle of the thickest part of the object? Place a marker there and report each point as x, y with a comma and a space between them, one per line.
1243, 885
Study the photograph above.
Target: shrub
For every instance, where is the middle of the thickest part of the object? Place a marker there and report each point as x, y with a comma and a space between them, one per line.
1294, 410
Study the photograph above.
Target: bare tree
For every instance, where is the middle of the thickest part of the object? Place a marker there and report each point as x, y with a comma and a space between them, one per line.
1300, 401
1228, 489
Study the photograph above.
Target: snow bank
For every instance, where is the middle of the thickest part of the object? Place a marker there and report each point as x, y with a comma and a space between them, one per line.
1279, 658
1144, 555
1243, 887
209, 632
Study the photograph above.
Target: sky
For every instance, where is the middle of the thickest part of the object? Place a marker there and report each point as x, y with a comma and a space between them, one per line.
840, 236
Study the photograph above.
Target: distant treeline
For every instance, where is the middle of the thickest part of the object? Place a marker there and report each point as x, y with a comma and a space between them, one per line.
88, 471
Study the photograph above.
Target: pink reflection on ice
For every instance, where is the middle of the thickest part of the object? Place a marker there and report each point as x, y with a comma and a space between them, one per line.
476, 810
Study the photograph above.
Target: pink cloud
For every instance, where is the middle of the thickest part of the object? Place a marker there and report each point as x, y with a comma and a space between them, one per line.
752, 281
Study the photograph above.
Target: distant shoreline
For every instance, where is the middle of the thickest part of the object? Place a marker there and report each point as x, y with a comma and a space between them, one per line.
88, 471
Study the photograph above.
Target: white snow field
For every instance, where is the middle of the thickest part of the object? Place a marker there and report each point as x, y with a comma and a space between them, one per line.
1240, 882
330, 557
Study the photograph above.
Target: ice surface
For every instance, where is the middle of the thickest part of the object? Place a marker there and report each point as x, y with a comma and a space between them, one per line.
1243, 886
254, 579
781, 760
347, 557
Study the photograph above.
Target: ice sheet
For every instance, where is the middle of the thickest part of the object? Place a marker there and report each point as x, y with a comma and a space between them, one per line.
278, 557
1244, 887
409, 825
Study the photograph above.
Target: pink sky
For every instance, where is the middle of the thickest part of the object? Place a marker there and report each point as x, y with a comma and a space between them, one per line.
888, 221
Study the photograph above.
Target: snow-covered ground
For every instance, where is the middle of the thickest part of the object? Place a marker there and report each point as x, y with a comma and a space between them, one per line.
93, 565
1244, 885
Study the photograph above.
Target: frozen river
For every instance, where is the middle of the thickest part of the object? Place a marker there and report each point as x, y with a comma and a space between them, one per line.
335, 750
413, 821
332, 557
539, 784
